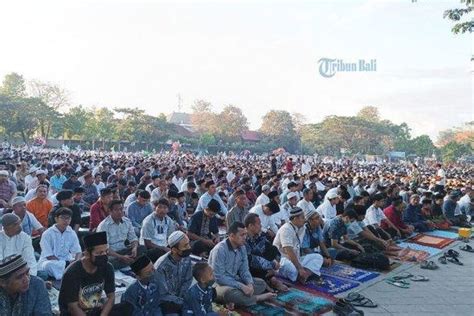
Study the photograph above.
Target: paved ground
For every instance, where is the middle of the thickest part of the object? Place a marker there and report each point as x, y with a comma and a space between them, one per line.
450, 290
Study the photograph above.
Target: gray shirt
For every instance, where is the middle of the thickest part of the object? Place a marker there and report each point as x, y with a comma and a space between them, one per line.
236, 214
230, 265
117, 233
157, 230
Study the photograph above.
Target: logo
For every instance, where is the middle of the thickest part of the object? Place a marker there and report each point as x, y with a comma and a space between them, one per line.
328, 67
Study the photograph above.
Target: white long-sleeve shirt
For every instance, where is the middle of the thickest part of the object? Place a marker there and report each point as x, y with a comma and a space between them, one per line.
19, 244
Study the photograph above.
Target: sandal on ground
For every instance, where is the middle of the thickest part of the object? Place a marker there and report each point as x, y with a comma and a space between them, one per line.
429, 265
452, 253
401, 284
419, 278
442, 259
343, 307
466, 248
366, 302
455, 261
402, 276
354, 296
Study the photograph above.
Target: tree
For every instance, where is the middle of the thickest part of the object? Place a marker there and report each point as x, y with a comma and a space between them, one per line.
203, 118
278, 126
231, 123
422, 146
18, 118
457, 15
452, 151
369, 113
13, 86
76, 122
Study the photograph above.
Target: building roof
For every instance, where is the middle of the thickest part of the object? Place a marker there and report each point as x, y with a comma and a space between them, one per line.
179, 118
252, 136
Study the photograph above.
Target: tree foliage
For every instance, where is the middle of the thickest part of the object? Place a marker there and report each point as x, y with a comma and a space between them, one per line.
279, 127
464, 22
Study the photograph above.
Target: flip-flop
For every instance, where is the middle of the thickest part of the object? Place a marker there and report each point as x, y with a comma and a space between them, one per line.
429, 265
442, 260
466, 248
452, 253
365, 302
419, 278
399, 284
402, 276
455, 261
354, 296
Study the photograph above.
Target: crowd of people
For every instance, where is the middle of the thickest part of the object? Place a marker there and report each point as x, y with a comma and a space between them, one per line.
197, 229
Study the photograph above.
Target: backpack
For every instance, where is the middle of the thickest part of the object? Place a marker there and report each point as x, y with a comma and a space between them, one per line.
371, 261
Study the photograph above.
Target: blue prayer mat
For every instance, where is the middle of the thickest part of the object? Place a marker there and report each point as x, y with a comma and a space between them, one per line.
330, 284
443, 234
432, 251
348, 272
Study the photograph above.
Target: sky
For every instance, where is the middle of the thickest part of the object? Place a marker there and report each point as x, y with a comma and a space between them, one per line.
257, 55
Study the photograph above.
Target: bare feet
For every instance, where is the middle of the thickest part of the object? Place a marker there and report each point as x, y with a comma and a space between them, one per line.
278, 285
265, 297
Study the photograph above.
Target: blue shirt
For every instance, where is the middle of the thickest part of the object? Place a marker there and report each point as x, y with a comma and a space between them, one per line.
144, 299
137, 213
412, 214
198, 301
35, 301
311, 238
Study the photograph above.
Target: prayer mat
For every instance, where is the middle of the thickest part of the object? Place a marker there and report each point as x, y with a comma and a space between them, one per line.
431, 241
330, 284
443, 233
411, 255
432, 251
293, 302
348, 272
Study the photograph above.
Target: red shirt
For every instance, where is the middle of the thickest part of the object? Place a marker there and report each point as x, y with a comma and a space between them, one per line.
98, 214
395, 217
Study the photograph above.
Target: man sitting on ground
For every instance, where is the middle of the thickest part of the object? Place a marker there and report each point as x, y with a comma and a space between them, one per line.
293, 265
156, 229
20, 292
313, 241
65, 200
143, 293
240, 210
234, 281
262, 255
138, 210
100, 209
121, 237
29, 224
59, 245
15, 242
174, 273
395, 214
86, 279
204, 229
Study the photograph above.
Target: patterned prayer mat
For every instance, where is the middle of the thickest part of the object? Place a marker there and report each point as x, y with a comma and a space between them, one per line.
432, 251
431, 241
331, 284
443, 233
293, 302
411, 255
348, 272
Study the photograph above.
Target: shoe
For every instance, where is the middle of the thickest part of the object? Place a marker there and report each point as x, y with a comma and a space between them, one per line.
344, 308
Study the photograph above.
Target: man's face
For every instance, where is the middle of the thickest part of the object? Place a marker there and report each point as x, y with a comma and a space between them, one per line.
147, 272
309, 195
78, 196
298, 221
315, 221
293, 201
161, 210
19, 209
13, 229
117, 212
67, 202
63, 220
209, 213
415, 201
106, 199
3, 178
241, 200
256, 228
98, 179
239, 238
18, 282
42, 192
142, 201
212, 189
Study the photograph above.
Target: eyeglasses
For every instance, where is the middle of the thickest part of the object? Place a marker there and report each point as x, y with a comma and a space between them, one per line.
65, 217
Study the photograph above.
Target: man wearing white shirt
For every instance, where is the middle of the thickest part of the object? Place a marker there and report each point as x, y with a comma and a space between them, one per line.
98, 183
263, 198
266, 214
29, 223
13, 241
374, 216
327, 209
440, 178
284, 214
465, 203
305, 204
